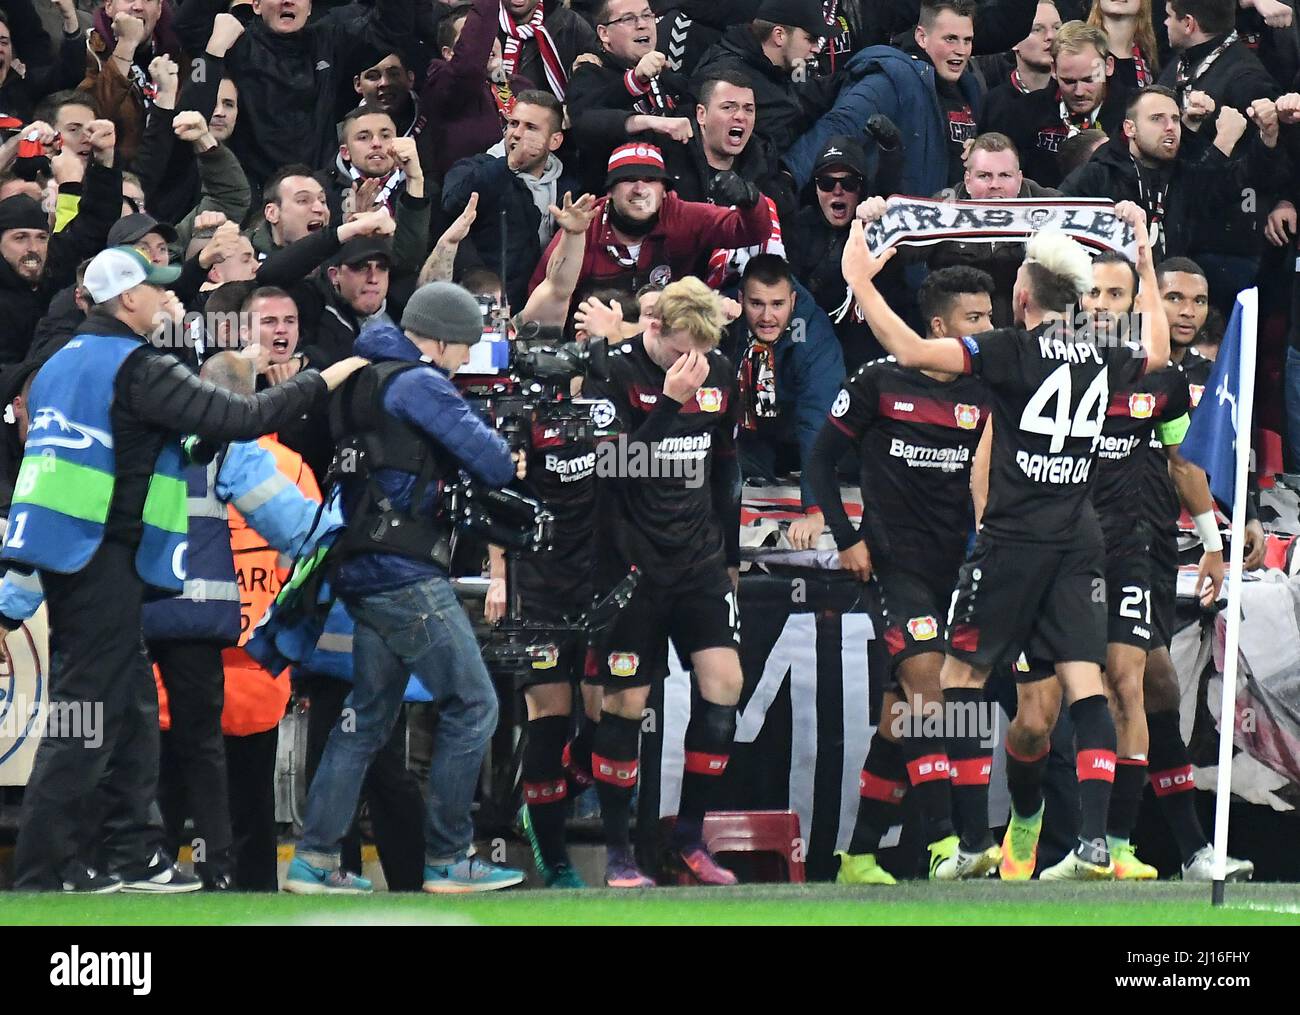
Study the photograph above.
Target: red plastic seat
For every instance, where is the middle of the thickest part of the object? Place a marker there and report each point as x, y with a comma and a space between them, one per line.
775, 833
1268, 456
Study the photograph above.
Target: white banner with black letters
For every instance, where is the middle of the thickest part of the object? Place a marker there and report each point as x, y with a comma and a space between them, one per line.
920, 221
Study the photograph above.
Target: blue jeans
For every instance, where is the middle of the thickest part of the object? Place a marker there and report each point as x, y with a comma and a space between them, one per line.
418, 629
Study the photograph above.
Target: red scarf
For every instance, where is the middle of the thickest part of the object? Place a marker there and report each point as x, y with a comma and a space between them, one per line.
757, 385
1140, 66
517, 35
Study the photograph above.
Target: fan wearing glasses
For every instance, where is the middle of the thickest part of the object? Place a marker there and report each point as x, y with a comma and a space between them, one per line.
630, 92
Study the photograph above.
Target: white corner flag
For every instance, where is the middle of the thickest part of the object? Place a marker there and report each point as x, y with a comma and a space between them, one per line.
1218, 440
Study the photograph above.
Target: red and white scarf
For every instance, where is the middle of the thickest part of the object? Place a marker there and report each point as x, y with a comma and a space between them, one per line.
1140, 67
517, 35
726, 264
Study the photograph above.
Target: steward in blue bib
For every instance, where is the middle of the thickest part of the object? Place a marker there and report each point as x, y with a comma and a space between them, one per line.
68, 474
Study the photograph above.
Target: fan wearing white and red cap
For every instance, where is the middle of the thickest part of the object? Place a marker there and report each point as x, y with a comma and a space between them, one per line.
646, 233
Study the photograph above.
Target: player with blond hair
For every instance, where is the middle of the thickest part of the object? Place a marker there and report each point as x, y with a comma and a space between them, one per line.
676, 518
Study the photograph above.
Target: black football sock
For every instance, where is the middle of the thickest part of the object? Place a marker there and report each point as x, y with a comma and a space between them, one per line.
881, 787
1094, 745
577, 755
927, 774
614, 752
1126, 797
970, 761
709, 735
1170, 772
545, 788
1025, 780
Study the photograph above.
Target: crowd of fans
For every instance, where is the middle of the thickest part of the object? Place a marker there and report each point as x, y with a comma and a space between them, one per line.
304, 168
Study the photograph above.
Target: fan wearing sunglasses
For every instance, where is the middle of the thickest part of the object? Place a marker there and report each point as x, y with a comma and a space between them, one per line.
842, 178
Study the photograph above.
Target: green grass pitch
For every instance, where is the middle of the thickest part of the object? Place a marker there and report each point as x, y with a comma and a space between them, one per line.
1163, 904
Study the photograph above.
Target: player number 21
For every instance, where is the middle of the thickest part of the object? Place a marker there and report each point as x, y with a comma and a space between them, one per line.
1087, 420
1131, 605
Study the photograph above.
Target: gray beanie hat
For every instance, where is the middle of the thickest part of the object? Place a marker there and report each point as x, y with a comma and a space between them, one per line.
445, 311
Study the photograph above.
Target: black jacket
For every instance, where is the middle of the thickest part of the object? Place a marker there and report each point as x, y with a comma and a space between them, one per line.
58, 325
288, 83
1001, 260
1200, 182
785, 110
599, 103
572, 35
693, 176
23, 305
19, 95
155, 396
1033, 121
508, 218
690, 28
1236, 78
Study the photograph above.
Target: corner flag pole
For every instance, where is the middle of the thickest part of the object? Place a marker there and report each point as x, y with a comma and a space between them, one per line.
1228, 705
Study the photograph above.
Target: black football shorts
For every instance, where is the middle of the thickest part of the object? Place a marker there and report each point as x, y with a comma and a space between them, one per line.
698, 613
1011, 595
914, 609
1164, 587
1128, 589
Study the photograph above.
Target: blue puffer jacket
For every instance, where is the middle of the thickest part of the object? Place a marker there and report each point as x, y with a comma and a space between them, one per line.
809, 372
427, 399
902, 88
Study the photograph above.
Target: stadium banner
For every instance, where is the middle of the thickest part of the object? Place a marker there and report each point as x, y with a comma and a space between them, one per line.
919, 221
24, 698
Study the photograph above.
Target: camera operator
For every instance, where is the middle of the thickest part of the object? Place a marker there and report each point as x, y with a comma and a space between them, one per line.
413, 430
675, 396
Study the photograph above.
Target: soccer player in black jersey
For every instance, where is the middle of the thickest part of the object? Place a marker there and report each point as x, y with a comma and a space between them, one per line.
915, 432
1141, 420
1035, 574
553, 586
673, 512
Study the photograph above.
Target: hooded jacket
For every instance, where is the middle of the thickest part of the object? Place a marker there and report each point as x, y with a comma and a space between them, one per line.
425, 398
887, 80
510, 212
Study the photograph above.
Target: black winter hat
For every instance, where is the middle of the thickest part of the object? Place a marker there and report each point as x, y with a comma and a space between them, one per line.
21, 212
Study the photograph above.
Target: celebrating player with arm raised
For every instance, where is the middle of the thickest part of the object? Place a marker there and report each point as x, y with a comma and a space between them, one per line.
1035, 574
915, 433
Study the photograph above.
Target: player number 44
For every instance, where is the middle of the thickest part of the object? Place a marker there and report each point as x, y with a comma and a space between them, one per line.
1057, 390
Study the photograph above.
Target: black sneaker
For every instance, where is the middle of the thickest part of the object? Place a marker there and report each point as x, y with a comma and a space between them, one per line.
160, 876
88, 881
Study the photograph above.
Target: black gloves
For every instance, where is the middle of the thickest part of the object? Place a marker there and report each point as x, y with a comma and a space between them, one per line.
882, 130
731, 188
